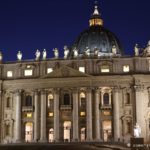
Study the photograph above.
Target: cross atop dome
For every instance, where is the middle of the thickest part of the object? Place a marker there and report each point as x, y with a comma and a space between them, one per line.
95, 18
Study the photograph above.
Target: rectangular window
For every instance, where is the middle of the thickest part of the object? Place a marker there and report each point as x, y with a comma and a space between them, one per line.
82, 113
126, 68
105, 69
50, 114
28, 72
82, 69
49, 70
9, 74
29, 115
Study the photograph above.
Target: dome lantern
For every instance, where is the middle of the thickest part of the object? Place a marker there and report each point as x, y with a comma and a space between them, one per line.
95, 19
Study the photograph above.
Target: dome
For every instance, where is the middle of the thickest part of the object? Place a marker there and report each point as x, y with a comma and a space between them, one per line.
97, 38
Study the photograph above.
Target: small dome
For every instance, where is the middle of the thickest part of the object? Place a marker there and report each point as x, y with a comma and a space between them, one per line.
97, 37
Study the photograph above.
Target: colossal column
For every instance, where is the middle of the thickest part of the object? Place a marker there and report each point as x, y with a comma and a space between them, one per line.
75, 115
18, 116
116, 120
43, 116
36, 116
140, 97
97, 115
89, 115
56, 115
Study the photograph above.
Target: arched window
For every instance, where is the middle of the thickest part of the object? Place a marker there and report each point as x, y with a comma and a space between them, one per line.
51, 135
106, 99
128, 127
8, 102
82, 100
28, 100
83, 134
28, 132
7, 129
127, 98
50, 101
66, 99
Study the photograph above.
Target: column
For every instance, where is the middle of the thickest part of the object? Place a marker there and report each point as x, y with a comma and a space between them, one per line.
89, 115
140, 97
1, 115
97, 115
36, 116
116, 114
56, 115
43, 117
18, 116
75, 115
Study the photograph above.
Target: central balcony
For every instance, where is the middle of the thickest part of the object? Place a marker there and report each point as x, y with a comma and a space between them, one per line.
65, 107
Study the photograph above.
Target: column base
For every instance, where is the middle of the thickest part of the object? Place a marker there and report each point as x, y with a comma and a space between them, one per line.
75, 140
43, 141
18, 141
89, 140
97, 140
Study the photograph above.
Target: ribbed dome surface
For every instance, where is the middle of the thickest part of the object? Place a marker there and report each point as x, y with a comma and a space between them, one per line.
97, 37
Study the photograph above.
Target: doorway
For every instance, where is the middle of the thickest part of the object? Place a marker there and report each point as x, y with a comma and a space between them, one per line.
28, 132
67, 129
107, 130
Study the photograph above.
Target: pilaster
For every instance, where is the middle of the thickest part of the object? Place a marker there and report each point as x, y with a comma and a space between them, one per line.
75, 115
56, 115
18, 137
43, 117
89, 134
116, 113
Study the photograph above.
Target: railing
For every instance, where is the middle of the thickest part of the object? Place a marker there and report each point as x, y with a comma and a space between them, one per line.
108, 106
65, 107
28, 108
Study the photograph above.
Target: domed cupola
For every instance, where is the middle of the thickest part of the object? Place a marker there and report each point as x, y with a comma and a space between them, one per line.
97, 40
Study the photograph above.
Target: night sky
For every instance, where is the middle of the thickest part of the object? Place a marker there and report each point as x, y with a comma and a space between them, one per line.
28, 25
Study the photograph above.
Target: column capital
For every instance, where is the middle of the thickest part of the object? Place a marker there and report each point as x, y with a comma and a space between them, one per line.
97, 90
36, 91
43, 91
75, 90
89, 89
56, 90
138, 88
18, 91
116, 89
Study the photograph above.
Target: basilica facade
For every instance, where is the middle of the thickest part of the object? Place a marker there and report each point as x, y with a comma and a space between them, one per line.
94, 93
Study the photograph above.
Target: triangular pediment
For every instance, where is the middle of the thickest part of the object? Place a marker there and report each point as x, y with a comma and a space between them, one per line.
64, 72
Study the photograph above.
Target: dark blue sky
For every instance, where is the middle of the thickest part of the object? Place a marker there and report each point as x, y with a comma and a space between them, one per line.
28, 25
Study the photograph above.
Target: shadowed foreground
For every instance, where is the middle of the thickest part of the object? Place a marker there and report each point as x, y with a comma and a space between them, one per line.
52, 147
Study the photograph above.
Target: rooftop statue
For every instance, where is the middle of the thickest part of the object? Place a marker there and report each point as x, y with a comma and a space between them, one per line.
96, 51
37, 54
147, 50
114, 50
56, 53
1, 56
44, 54
66, 52
75, 53
87, 52
136, 50
19, 56
137, 131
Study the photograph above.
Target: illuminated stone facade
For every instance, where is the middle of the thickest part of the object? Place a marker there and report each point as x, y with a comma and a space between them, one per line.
84, 98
